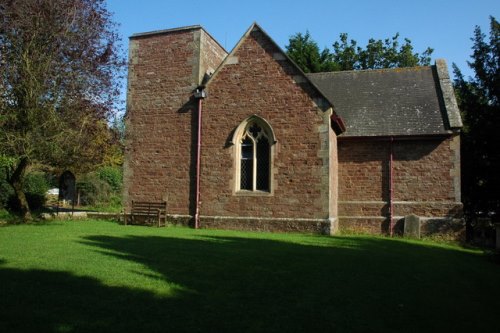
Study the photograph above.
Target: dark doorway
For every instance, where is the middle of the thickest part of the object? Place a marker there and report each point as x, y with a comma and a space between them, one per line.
67, 187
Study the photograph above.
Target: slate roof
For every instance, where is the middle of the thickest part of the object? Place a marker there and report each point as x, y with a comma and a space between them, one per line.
389, 102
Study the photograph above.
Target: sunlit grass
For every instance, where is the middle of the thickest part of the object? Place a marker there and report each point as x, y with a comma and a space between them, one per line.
88, 275
60, 246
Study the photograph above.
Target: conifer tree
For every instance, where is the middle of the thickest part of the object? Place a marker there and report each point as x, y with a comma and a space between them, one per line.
479, 102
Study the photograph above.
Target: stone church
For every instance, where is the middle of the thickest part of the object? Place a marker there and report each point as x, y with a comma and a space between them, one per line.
246, 140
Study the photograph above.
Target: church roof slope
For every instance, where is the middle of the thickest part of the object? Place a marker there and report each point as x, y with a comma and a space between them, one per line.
388, 102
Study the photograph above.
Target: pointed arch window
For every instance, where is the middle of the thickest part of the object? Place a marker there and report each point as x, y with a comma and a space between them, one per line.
254, 140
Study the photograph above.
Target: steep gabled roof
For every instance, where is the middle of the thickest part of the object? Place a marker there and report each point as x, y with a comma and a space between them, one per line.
254, 27
391, 102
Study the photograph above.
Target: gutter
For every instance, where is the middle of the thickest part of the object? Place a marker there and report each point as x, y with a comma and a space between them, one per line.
199, 94
337, 124
396, 137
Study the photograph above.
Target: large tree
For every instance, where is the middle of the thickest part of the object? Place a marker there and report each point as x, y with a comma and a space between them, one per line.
479, 102
59, 71
347, 55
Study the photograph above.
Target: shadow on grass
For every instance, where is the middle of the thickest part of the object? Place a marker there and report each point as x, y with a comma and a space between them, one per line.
255, 285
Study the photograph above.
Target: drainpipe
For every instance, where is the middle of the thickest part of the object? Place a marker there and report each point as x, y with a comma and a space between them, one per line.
391, 185
200, 95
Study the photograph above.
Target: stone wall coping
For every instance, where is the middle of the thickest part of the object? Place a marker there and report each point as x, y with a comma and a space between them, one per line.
167, 31
448, 95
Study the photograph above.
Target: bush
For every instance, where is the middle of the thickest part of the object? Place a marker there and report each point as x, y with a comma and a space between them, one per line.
113, 176
93, 190
35, 187
36, 183
101, 189
6, 190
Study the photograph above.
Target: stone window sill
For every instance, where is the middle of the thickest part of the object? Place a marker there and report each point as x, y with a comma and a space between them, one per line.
245, 193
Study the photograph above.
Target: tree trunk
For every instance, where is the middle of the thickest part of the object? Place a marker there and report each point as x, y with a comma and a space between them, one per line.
16, 181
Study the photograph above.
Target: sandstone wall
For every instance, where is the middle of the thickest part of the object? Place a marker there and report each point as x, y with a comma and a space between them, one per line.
259, 80
426, 181
164, 70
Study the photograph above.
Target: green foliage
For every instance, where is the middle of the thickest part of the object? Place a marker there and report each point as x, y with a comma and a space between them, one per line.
36, 183
60, 70
101, 188
7, 162
7, 217
391, 54
93, 190
479, 102
347, 55
35, 186
113, 176
305, 52
6, 190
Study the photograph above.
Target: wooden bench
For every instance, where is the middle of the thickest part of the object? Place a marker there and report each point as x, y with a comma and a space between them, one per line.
147, 212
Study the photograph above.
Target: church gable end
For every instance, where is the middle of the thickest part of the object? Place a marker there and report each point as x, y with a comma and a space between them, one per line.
257, 79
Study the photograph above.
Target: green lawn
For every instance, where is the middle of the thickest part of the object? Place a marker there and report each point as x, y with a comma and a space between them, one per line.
96, 276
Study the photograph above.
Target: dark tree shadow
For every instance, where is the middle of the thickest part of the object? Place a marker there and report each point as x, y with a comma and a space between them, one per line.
232, 284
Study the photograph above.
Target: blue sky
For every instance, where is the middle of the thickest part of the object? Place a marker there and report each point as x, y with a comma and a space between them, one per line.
446, 26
